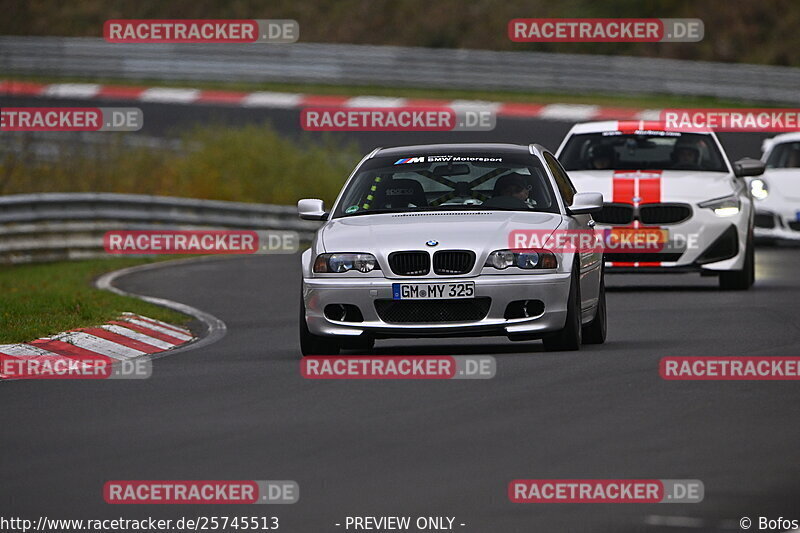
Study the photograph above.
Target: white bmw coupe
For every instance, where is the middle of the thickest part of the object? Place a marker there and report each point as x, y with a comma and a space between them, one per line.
676, 184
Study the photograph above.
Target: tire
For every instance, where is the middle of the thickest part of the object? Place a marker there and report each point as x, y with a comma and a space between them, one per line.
741, 280
311, 344
568, 338
595, 331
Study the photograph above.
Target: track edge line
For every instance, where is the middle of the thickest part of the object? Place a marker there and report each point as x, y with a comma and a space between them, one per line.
216, 329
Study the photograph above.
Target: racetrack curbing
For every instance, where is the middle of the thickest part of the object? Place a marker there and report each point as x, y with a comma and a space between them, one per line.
129, 337
269, 99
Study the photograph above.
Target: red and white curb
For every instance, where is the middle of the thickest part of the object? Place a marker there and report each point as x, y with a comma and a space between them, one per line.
128, 337
268, 99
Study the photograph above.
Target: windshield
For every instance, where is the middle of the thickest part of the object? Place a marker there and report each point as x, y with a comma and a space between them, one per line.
785, 155
448, 182
662, 150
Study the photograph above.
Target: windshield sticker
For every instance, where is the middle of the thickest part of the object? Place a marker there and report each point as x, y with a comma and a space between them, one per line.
351, 209
410, 160
654, 133
448, 159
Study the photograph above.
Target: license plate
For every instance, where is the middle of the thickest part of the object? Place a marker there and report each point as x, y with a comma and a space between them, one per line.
433, 291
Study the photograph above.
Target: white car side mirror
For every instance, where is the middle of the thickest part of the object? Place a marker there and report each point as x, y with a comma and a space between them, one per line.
311, 209
585, 203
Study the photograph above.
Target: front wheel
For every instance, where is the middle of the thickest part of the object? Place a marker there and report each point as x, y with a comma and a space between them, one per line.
568, 338
741, 280
595, 332
311, 344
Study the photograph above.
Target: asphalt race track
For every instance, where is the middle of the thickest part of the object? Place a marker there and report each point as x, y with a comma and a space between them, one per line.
239, 409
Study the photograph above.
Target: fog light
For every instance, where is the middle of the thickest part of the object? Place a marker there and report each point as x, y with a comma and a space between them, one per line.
524, 309
533, 308
343, 313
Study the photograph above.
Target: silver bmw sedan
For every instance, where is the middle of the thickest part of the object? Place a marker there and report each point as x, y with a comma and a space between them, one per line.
452, 240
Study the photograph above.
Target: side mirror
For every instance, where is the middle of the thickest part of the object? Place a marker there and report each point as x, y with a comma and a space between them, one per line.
748, 167
311, 209
586, 203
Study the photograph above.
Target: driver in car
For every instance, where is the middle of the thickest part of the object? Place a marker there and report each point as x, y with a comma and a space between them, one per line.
510, 192
601, 156
686, 156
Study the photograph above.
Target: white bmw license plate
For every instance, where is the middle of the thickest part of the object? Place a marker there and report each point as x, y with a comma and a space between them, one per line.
433, 291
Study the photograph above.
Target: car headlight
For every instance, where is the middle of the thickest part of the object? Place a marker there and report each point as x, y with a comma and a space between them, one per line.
502, 259
344, 262
724, 207
759, 189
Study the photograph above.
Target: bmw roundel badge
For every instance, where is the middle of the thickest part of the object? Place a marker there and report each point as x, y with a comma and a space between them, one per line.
432, 243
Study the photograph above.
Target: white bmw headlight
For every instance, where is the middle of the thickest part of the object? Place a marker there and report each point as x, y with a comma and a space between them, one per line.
724, 207
528, 260
759, 189
344, 262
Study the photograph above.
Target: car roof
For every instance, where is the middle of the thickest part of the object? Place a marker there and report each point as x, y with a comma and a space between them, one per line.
785, 137
768, 144
625, 125
444, 149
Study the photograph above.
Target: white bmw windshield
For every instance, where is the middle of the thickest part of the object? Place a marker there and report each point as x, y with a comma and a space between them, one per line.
462, 181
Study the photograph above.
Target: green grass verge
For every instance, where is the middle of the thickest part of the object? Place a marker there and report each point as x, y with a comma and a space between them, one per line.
44, 299
654, 101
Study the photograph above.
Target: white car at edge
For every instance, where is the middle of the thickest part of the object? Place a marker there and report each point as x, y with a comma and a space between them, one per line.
777, 192
679, 183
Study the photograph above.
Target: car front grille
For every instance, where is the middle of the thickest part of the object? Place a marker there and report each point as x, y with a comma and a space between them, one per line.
449, 262
410, 263
433, 311
795, 225
664, 213
615, 214
622, 214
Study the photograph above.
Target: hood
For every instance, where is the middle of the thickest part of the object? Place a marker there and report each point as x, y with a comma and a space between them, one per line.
783, 182
384, 233
654, 186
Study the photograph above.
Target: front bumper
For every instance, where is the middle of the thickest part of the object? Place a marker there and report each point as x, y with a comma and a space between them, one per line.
551, 289
782, 226
703, 243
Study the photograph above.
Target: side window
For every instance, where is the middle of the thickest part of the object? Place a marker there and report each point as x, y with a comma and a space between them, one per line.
565, 187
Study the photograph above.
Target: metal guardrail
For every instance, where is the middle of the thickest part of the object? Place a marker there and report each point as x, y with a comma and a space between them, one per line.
397, 66
64, 226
